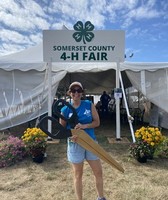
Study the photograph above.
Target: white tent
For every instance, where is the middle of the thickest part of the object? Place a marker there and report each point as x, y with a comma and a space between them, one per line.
24, 88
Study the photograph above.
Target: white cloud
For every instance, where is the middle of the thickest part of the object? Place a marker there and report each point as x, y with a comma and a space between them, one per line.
9, 35
10, 48
36, 38
23, 17
84, 10
134, 32
22, 22
143, 13
120, 5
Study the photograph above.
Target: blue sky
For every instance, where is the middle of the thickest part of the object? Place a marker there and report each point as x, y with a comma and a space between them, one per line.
145, 23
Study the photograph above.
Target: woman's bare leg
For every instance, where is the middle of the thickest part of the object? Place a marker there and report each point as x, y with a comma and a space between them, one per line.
97, 171
78, 172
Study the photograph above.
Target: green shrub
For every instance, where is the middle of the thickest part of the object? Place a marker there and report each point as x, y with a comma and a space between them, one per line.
162, 150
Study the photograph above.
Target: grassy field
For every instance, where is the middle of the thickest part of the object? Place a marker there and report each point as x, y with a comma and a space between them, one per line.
53, 179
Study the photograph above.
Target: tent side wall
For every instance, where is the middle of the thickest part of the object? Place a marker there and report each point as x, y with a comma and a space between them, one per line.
24, 95
154, 86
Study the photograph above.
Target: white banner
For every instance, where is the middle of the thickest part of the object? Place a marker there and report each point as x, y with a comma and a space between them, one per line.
73, 46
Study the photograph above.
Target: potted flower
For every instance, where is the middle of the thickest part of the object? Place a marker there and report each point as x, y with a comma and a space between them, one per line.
12, 150
140, 150
147, 140
35, 141
151, 135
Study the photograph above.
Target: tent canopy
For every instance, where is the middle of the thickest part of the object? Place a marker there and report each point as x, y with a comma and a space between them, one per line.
24, 88
32, 59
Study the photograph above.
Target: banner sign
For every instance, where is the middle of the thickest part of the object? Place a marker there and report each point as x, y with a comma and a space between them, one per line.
117, 93
83, 44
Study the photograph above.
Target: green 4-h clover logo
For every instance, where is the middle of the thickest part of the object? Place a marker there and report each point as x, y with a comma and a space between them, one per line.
83, 32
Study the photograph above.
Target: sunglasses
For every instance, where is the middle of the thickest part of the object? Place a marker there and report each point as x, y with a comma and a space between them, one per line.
76, 90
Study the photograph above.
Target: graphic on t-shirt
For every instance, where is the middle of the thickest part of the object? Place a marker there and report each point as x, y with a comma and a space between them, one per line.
70, 115
87, 113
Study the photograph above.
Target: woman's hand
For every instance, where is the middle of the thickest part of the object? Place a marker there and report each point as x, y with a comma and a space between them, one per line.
74, 138
80, 126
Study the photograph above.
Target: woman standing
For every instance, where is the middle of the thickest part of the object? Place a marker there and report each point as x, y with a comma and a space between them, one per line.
88, 120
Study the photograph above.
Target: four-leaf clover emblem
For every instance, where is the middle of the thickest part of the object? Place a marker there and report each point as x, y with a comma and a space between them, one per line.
83, 32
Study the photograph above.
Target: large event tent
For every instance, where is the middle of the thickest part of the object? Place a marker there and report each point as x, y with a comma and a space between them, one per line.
24, 88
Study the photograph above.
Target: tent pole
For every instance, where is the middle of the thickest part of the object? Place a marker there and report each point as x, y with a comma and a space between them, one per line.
126, 106
49, 95
118, 135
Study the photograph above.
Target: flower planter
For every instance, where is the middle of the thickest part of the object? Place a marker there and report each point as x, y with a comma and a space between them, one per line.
35, 143
150, 157
142, 159
38, 158
151, 153
147, 140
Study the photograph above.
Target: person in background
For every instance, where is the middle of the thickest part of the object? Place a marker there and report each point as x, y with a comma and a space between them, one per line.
88, 120
105, 98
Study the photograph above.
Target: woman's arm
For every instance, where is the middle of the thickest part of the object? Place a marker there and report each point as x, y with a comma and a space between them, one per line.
96, 120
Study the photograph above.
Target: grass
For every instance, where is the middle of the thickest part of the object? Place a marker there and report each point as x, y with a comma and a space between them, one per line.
53, 179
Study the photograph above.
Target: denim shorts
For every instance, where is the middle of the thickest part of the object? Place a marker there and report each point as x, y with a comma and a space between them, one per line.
77, 154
